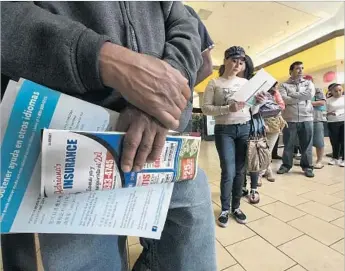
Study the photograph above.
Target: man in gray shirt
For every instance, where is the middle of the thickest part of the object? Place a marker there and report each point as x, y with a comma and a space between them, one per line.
297, 94
140, 59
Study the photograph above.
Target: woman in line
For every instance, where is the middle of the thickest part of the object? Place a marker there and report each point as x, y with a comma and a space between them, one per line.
274, 124
335, 119
231, 131
253, 196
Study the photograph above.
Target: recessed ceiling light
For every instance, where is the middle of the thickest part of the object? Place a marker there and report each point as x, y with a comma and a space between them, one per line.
204, 14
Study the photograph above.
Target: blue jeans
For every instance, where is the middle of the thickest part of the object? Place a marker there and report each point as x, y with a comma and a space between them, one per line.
231, 144
304, 132
319, 135
187, 242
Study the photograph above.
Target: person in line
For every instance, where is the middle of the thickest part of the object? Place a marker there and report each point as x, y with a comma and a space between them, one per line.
319, 105
297, 94
231, 131
274, 125
253, 195
140, 59
335, 119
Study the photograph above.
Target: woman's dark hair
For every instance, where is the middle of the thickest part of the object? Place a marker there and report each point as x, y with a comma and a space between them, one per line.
248, 72
221, 70
330, 87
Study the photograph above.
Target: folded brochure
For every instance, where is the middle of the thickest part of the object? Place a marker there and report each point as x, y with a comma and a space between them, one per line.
79, 161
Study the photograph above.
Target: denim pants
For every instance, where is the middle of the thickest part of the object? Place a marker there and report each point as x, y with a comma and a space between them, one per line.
187, 241
336, 136
231, 144
304, 132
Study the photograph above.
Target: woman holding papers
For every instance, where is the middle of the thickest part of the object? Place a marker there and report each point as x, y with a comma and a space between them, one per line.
335, 118
255, 181
231, 131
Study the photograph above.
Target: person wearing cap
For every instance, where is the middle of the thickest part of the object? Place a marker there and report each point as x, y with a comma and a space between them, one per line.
335, 119
297, 94
231, 131
319, 104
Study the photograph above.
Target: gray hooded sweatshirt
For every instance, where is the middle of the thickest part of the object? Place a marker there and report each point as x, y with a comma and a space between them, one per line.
297, 96
57, 44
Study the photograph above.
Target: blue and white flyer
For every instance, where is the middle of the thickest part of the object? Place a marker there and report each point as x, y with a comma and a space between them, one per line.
80, 162
26, 109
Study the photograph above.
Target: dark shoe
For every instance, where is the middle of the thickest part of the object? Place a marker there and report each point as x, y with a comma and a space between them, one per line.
282, 170
308, 172
239, 216
277, 157
254, 197
223, 219
245, 192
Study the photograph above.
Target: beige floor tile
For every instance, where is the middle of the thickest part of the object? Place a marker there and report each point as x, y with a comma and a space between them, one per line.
264, 200
236, 267
339, 194
252, 213
39, 261
313, 255
339, 206
134, 253
329, 175
294, 186
331, 189
234, 233
339, 222
274, 231
247, 253
339, 246
287, 197
282, 211
224, 259
321, 198
132, 240
321, 211
215, 194
37, 242
296, 268
317, 228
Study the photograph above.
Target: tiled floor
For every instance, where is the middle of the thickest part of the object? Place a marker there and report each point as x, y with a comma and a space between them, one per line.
297, 226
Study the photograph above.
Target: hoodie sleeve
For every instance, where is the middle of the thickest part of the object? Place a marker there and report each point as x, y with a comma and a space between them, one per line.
208, 107
182, 46
306, 94
49, 49
287, 99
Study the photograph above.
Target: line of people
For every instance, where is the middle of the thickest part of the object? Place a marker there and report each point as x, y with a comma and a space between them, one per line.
296, 109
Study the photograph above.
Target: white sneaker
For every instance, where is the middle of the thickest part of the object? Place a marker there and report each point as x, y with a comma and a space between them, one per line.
333, 162
341, 163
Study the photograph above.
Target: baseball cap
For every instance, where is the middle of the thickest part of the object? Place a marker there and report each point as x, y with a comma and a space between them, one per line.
235, 52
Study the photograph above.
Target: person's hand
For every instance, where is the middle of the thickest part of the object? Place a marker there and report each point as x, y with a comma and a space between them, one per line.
236, 106
146, 82
260, 97
144, 140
